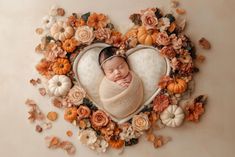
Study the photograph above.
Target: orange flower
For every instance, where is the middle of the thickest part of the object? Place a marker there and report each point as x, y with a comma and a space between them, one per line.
160, 103
83, 111
194, 111
115, 39
97, 20
44, 68
99, 119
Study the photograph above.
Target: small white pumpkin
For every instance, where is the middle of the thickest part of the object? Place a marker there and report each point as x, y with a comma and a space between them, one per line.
172, 116
61, 31
59, 85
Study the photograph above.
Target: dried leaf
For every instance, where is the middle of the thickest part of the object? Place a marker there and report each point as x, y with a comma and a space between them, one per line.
42, 91
38, 128
200, 58
39, 31
52, 116
33, 82
57, 103
204, 43
180, 11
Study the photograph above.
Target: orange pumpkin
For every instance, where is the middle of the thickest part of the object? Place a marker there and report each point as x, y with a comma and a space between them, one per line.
116, 143
70, 114
61, 66
146, 37
178, 86
70, 45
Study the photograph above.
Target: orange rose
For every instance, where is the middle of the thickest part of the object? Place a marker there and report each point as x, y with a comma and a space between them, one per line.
99, 119
83, 112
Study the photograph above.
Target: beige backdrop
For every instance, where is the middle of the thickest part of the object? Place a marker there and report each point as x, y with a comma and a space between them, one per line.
213, 136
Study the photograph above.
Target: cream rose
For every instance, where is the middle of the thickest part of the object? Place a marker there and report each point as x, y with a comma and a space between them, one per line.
140, 122
84, 34
76, 95
149, 19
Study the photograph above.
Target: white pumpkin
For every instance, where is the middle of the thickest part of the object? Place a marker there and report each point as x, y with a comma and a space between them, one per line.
172, 116
59, 85
61, 31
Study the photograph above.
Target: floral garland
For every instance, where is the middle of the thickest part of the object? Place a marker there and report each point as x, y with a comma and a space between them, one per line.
62, 39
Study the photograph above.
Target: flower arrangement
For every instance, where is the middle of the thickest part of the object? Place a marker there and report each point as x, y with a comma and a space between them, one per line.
63, 40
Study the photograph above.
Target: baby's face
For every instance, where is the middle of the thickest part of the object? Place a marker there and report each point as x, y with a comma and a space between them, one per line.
116, 69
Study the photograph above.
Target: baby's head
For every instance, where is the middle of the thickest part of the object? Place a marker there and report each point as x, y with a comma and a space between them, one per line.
114, 65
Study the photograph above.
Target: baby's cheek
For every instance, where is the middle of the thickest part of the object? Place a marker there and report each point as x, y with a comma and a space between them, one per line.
110, 77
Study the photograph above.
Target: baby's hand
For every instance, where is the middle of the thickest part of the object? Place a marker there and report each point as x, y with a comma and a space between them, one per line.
126, 81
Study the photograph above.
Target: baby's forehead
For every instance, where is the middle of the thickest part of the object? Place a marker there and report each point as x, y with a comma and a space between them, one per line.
114, 62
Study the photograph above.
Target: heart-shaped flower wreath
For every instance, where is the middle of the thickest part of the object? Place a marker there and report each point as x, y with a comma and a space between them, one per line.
64, 38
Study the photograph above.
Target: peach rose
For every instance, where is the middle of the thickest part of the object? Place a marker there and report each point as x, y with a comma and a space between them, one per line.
84, 34
140, 122
163, 39
148, 18
76, 95
99, 119
168, 51
83, 112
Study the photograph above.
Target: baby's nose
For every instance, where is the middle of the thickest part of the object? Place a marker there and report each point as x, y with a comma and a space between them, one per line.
116, 71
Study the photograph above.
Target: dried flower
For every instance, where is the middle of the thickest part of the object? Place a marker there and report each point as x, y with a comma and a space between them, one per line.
83, 112
102, 33
128, 132
168, 51
99, 146
88, 137
140, 122
176, 42
34, 112
194, 111
148, 18
44, 68
97, 20
99, 119
161, 102
76, 95
163, 39
84, 34
164, 24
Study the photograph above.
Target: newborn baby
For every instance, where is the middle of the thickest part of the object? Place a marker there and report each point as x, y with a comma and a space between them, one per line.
117, 70
121, 90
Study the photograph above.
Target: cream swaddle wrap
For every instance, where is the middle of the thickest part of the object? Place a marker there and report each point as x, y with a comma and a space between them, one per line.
120, 101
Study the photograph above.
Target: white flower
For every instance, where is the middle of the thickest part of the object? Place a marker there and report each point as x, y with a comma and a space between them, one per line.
48, 21
128, 133
88, 137
53, 11
100, 145
164, 24
84, 34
